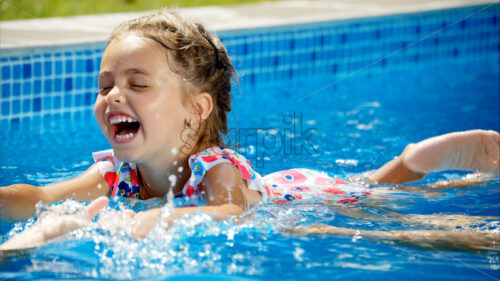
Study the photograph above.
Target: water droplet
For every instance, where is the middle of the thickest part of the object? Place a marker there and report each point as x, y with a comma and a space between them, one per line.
172, 179
298, 254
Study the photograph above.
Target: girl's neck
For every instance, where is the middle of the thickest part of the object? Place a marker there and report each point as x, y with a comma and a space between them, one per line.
157, 179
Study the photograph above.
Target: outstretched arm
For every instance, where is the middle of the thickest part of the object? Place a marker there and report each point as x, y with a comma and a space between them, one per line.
53, 227
475, 150
17, 202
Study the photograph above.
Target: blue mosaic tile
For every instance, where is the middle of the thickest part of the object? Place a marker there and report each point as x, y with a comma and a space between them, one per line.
26, 71
37, 104
5, 90
37, 69
78, 100
47, 68
47, 86
58, 85
69, 66
16, 71
89, 82
16, 89
67, 101
37, 87
36, 122
57, 102
68, 84
47, 103
5, 72
25, 123
98, 62
80, 66
88, 99
26, 88
58, 66
78, 83
16, 107
26, 105
89, 65
14, 124
5, 123
5, 108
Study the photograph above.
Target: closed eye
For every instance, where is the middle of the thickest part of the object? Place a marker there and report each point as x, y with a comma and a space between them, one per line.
139, 86
104, 90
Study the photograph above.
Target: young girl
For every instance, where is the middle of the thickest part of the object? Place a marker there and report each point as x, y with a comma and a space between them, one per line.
164, 95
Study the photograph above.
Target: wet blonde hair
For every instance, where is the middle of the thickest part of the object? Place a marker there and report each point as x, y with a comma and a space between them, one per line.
197, 57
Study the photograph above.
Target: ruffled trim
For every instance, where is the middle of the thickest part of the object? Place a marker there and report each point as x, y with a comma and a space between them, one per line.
204, 160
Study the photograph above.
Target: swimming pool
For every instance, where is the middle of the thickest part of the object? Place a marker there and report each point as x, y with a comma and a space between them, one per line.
342, 97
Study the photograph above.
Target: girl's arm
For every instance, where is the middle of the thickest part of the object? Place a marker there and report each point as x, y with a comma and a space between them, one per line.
17, 202
225, 191
396, 171
474, 150
53, 227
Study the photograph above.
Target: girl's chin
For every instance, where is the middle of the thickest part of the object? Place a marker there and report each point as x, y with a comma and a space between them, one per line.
125, 155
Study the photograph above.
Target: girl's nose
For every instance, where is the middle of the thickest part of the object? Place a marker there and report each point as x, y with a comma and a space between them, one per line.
115, 96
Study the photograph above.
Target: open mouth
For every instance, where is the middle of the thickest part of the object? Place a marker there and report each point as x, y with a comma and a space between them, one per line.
124, 127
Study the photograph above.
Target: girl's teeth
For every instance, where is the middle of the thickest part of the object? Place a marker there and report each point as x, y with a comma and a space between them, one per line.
116, 120
126, 136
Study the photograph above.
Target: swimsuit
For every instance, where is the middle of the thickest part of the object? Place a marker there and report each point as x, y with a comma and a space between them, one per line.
295, 185
123, 181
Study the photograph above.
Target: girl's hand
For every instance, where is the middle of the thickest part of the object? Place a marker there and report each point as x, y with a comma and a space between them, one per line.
143, 222
54, 226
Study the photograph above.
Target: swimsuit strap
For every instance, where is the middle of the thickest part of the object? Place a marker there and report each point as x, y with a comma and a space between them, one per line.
121, 177
203, 161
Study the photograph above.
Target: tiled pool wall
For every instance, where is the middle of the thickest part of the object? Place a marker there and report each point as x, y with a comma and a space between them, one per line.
42, 85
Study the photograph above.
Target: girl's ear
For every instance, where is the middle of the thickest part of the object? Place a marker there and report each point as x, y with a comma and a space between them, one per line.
203, 104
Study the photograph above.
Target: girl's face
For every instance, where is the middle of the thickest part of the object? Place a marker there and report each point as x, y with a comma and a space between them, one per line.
139, 107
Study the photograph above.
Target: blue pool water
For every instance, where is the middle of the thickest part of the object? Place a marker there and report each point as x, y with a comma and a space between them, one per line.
344, 119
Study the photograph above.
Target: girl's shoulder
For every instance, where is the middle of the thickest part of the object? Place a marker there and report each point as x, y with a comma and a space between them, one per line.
206, 159
201, 162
